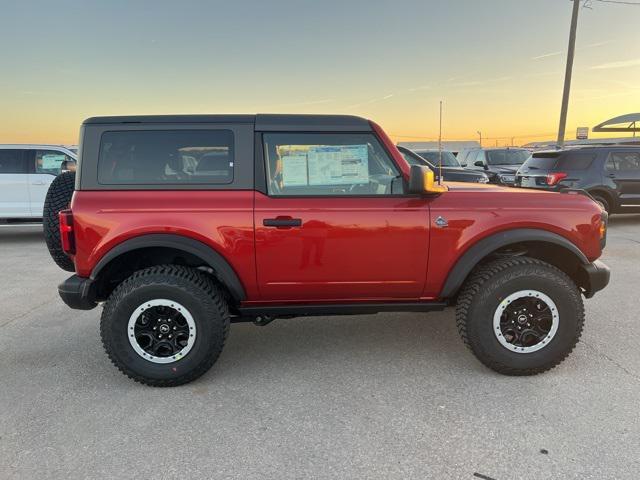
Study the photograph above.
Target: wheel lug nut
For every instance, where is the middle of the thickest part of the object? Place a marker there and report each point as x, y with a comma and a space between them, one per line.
170, 335
159, 336
155, 328
175, 328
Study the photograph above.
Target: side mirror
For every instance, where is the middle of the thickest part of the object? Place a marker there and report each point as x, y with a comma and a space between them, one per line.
422, 180
479, 163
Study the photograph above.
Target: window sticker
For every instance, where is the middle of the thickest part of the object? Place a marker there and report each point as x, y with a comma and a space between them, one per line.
338, 165
294, 170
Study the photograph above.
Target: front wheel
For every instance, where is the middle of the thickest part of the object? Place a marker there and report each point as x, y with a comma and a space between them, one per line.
519, 315
165, 326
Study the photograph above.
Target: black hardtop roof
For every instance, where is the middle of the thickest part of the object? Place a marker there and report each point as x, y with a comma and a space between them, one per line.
262, 122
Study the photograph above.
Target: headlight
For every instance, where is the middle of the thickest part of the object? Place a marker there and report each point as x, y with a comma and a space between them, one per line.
483, 179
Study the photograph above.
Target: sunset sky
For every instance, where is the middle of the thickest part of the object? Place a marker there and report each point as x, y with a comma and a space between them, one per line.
498, 65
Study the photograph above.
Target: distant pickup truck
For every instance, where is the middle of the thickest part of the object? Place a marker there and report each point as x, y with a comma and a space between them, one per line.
180, 225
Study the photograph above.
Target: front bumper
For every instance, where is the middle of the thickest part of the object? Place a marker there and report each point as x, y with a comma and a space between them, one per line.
78, 293
595, 276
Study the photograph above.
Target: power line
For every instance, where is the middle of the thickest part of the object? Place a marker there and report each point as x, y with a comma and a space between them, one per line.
620, 2
508, 137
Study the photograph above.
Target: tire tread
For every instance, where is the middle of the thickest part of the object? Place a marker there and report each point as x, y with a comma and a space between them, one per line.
200, 283
474, 285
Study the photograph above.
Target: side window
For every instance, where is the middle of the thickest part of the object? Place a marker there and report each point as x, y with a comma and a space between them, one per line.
328, 164
575, 161
161, 157
11, 162
49, 161
624, 162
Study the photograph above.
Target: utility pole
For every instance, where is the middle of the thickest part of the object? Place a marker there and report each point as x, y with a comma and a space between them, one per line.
567, 74
480, 134
440, 148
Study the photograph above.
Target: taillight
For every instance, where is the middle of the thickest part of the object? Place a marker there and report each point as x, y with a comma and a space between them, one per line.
67, 238
554, 178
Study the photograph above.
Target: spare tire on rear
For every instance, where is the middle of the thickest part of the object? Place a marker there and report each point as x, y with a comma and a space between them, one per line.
58, 198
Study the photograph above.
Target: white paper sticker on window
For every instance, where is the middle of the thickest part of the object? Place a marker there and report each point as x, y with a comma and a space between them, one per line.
294, 170
338, 165
52, 161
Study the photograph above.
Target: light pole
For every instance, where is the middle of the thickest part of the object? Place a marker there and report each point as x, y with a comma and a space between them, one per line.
480, 134
567, 74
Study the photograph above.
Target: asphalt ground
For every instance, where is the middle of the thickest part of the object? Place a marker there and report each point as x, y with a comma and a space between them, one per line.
373, 396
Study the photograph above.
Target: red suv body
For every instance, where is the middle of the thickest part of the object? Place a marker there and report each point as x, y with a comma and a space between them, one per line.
291, 215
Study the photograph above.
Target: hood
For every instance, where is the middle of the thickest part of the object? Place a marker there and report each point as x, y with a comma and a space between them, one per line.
494, 188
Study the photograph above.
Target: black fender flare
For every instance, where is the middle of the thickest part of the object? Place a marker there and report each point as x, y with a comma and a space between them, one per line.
223, 270
484, 247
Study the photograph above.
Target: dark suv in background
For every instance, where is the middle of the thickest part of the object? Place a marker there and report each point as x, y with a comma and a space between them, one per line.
610, 174
500, 164
451, 169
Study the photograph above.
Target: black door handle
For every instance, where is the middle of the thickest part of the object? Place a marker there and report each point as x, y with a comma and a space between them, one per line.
612, 175
282, 222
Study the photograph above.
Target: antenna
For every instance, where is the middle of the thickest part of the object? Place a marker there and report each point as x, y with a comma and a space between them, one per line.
440, 148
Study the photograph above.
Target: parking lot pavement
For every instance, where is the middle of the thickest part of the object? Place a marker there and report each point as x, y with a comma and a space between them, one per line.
379, 396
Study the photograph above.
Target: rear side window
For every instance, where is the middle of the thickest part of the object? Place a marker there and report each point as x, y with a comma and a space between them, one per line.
165, 157
11, 162
576, 161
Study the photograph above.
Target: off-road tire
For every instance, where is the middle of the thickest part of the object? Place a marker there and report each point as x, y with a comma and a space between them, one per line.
191, 288
58, 198
483, 292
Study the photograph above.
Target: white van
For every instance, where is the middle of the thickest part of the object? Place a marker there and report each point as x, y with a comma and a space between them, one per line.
26, 171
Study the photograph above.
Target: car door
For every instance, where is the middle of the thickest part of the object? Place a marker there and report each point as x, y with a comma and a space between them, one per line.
44, 165
623, 168
333, 222
14, 192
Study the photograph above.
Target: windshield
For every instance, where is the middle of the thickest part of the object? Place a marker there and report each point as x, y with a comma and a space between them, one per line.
412, 159
448, 158
507, 157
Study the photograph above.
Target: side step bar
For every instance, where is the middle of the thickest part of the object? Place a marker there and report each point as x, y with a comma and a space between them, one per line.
251, 313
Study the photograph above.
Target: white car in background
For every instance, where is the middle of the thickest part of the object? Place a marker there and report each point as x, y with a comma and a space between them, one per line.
26, 171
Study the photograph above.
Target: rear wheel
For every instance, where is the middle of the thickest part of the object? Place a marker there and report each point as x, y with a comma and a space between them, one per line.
520, 316
165, 326
58, 198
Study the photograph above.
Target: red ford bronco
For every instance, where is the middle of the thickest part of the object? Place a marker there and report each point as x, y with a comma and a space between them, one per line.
180, 225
